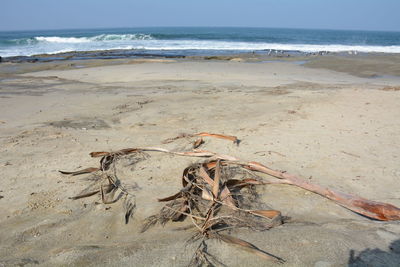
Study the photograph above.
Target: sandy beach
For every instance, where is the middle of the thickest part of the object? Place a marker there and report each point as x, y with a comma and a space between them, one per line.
332, 119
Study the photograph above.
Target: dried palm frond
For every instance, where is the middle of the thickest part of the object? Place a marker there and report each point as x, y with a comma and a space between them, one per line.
209, 198
234, 139
217, 194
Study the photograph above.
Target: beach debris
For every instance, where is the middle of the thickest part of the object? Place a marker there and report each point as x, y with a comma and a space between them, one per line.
214, 201
371, 209
198, 143
350, 154
213, 197
234, 139
391, 88
106, 181
87, 170
270, 152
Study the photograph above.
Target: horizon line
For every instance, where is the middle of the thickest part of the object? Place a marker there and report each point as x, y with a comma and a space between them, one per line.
244, 27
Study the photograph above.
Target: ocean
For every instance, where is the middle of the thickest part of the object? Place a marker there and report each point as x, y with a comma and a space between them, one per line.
195, 41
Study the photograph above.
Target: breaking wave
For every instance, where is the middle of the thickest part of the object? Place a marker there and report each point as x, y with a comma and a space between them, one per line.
97, 38
201, 40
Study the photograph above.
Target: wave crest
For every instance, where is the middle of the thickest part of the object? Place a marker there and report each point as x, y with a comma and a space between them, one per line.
56, 39
121, 37
97, 38
55, 44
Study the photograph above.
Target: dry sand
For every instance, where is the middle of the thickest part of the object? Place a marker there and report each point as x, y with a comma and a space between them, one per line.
338, 129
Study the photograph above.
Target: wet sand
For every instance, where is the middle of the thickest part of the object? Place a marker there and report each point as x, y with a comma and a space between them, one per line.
333, 120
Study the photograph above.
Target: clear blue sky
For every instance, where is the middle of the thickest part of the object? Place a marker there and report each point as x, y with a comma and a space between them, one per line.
322, 14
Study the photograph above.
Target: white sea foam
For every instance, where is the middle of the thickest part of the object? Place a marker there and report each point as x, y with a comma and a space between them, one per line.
121, 37
97, 38
56, 39
55, 44
244, 46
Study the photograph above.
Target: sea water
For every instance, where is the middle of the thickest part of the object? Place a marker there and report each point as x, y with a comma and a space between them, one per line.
196, 40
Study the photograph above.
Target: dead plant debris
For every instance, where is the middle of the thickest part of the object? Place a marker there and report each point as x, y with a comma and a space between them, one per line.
213, 198
234, 139
391, 88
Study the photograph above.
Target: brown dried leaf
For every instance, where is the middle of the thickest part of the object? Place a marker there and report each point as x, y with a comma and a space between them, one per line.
170, 140
270, 214
206, 194
87, 170
173, 197
217, 176
124, 151
221, 136
203, 173
99, 154
127, 151
210, 165
227, 198
198, 143
236, 183
372, 209
375, 210
195, 153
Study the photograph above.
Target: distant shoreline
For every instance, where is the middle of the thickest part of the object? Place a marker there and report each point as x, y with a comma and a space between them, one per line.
176, 54
369, 65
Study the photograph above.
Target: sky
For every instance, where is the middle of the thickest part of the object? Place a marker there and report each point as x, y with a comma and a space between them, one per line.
310, 14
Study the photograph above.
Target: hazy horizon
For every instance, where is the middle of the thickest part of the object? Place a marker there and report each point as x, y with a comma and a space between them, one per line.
149, 27
368, 15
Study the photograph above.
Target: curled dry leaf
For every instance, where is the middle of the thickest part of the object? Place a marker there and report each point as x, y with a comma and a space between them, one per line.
266, 213
198, 143
234, 139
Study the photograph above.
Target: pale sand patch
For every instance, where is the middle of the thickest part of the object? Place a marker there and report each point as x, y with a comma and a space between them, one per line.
337, 130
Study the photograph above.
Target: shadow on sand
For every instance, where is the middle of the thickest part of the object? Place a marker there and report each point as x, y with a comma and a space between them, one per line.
377, 257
